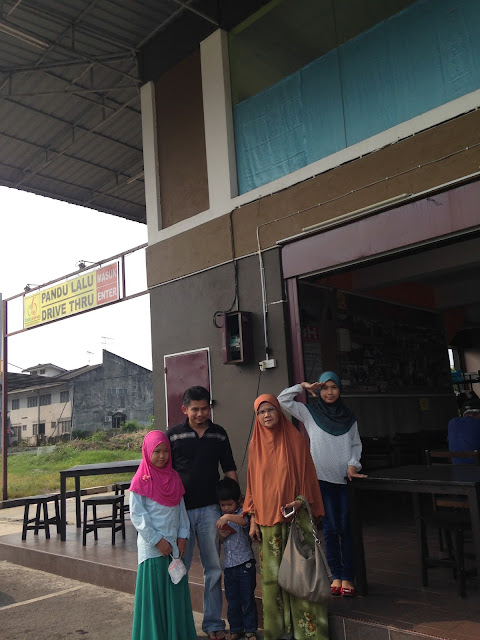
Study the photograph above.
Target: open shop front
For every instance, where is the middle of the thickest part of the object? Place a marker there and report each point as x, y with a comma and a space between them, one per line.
392, 302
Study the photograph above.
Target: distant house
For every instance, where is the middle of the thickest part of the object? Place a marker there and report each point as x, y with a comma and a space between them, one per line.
47, 401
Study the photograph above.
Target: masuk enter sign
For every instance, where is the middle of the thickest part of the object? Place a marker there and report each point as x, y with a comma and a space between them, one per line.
90, 290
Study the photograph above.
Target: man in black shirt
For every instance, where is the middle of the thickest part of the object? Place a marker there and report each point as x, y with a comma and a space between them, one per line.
198, 447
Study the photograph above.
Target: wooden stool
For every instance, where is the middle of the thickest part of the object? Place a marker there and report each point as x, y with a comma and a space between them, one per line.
37, 522
120, 488
116, 522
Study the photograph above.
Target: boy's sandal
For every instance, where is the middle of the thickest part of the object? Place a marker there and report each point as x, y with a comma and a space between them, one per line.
233, 636
250, 635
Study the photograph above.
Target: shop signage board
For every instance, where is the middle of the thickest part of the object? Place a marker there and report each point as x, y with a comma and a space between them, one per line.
82, 293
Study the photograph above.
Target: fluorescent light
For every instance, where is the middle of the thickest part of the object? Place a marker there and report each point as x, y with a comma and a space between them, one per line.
133, 178
358, 212
24, 37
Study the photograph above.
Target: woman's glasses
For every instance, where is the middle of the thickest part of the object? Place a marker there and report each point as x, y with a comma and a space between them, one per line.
263, 412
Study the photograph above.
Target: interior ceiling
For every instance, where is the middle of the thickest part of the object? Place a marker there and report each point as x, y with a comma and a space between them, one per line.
70, 73
450, 271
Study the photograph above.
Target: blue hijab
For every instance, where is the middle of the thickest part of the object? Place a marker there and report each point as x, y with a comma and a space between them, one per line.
334, 418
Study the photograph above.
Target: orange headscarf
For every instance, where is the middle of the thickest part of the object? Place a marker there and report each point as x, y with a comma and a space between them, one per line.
280, 467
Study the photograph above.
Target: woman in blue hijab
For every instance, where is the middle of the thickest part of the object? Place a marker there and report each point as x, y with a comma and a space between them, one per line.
336, 449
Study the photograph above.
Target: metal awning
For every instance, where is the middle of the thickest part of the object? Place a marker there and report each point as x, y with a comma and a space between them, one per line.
70, 121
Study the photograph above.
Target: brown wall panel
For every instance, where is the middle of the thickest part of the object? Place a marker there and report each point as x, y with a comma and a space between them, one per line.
380, 175
199, 248
181, 142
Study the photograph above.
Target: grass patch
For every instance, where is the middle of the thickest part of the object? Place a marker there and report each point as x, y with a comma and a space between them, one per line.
30, 475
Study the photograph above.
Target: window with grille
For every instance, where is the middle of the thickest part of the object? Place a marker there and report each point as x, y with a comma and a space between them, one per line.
45, 399
65, 426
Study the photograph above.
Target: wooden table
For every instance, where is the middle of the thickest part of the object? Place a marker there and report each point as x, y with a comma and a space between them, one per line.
453, 479
100, 468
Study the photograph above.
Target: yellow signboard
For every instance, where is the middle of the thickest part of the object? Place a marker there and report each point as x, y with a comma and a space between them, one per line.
73, 296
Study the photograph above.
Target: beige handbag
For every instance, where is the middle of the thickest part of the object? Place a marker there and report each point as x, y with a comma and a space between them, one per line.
304, 571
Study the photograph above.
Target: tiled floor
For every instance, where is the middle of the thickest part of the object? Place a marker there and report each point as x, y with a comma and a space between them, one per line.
396, 598
397, 608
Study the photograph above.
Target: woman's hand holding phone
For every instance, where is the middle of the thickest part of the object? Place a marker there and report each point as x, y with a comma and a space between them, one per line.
290, 509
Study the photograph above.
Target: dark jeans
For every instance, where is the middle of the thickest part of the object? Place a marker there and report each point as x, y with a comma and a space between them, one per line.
336, 531
240, 582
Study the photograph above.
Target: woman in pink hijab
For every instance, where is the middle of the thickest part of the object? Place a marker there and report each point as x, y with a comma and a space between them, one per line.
157, 511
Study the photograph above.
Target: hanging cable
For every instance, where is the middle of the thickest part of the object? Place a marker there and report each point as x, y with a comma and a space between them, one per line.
235, 272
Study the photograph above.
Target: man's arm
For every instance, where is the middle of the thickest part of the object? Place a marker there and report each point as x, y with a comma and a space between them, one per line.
227, 462
233, 475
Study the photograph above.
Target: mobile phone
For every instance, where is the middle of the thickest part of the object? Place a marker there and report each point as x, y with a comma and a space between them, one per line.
288, 512
227, 527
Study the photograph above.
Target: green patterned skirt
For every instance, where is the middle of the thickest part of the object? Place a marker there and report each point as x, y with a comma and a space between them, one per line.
285, 616
163, 610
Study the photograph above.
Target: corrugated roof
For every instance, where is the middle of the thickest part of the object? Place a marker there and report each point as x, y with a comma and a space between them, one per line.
70, 122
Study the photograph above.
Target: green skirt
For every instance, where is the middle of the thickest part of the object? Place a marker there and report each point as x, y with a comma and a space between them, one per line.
163, 610
285, 616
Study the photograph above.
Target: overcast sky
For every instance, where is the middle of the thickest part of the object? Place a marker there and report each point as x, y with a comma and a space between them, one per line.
43, 239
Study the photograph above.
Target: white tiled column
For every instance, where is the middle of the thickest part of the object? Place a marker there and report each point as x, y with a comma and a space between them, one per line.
219, 133
150, 159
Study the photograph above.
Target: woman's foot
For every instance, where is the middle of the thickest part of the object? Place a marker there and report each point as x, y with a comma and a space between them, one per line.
216, 635
348, 589
336, 588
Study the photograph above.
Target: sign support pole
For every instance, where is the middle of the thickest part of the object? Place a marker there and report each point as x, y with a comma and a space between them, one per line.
4, 401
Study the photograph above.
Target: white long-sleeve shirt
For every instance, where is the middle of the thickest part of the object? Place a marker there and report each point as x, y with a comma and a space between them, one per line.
331, 454
153, 521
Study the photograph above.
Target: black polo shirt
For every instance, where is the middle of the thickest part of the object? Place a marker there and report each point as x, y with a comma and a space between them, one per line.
196, 460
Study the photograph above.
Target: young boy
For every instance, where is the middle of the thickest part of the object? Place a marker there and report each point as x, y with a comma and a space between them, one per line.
239, 562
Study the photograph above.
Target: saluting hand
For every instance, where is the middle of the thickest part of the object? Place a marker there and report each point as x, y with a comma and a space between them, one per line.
312, 387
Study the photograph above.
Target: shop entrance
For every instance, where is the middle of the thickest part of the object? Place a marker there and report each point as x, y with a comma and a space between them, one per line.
387, 328
394, 326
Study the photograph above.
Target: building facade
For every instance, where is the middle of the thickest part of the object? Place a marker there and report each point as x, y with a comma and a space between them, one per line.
317, 167
51, 403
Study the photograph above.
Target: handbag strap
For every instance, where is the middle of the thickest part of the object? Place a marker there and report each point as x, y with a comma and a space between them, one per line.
315, 534
305, 504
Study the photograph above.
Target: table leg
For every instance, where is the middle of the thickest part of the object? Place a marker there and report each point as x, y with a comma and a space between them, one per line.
63, 507
474, 505
361, 583
421, 539
78, 503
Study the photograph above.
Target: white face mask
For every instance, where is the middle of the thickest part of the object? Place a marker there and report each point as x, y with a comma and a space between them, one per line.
177, 570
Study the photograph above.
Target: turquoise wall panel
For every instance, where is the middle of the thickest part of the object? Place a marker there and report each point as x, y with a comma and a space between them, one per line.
417, 60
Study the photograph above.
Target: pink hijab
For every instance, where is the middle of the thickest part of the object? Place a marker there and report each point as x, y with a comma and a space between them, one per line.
162, 485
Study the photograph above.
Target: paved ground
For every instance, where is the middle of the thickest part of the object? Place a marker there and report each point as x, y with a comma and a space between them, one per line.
35, 605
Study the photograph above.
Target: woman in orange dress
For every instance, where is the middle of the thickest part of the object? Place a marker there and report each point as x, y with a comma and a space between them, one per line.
281, 474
